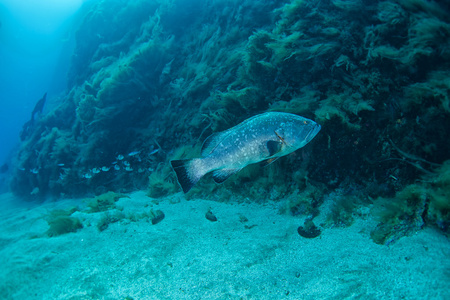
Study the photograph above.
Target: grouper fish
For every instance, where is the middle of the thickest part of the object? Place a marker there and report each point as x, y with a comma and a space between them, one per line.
264, 137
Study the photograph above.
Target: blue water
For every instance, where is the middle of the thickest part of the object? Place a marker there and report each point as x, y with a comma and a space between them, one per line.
36, 44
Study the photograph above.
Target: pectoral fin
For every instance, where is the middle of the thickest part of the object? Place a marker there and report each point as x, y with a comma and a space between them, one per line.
269, 161
273, 147
221, 175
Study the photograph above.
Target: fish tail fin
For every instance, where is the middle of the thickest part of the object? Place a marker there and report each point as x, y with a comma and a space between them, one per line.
187, 175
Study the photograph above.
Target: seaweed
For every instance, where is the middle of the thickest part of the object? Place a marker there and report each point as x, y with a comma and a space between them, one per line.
60, 222
62, 225
108, 218
159, 185
439, 191
104, 202
433, 92
343, 211
305, 202
426, 35
304, 102
343, 106
161, 181
417, 205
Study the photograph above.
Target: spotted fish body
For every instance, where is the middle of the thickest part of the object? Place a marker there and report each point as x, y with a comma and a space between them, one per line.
264, 137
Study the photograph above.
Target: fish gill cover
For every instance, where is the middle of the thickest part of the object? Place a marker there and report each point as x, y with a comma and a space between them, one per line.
150, 80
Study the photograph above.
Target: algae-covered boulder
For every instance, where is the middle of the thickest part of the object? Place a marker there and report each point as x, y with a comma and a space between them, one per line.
104, 202
417, 205
61, 222
62, 225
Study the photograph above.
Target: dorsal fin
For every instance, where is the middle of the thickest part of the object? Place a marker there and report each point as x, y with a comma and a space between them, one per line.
209, 144
212, 141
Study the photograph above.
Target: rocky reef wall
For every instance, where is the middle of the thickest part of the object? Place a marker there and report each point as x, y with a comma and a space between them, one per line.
150, 80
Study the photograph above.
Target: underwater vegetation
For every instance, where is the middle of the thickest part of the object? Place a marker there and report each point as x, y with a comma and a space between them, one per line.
60, 222
62, 225
98, 212
154, 79
417, 205
104, 202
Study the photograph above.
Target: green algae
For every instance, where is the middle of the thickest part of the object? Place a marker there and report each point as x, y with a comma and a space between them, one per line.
61, 222
415, 206
104, 202
62, 225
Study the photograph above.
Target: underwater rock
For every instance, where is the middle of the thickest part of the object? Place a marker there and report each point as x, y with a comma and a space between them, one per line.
243, 219
413, 208
210, 216
61, 222
109, 218
309, 230
157, 217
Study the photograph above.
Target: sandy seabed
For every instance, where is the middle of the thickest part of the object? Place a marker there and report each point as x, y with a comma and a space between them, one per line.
187, 256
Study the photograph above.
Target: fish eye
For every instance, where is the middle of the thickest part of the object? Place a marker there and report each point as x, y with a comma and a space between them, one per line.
305, 122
